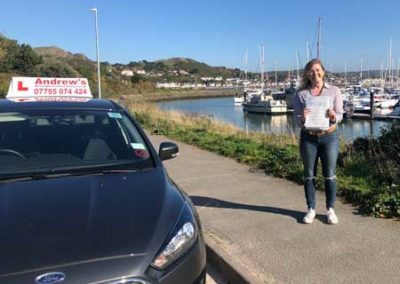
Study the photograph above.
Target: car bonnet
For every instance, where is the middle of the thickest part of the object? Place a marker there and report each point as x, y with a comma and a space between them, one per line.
56, 221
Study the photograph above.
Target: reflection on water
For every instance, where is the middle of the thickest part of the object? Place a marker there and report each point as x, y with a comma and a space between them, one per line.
279, 124
354, 128
223, 109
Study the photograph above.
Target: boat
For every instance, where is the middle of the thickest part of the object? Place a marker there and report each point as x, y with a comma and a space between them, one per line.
265, 103
396, 110
250, 91
357, 105
388, 103
261, 100
286, 95
238, 99
291, 92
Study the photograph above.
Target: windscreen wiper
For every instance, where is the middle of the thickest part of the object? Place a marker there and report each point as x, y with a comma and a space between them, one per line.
28, 176
14, 178
68, 171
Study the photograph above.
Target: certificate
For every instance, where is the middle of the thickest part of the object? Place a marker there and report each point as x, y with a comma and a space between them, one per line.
317, 118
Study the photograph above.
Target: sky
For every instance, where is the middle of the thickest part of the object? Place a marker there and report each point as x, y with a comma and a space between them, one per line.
216, 32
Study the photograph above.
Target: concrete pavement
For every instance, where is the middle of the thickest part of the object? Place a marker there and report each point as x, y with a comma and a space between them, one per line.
254, 222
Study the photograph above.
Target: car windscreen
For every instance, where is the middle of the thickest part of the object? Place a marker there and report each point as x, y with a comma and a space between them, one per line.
44, 141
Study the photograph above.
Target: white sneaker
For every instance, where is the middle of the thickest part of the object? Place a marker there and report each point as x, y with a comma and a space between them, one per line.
332, 218
309, 217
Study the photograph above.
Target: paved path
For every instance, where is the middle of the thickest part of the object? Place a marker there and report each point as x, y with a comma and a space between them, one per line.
256, 221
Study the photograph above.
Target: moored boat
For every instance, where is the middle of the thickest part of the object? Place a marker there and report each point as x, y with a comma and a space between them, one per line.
265, 104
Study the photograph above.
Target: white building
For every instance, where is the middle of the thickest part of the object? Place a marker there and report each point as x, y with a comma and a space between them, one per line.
183, 72
167, 85
127, 72
142, 72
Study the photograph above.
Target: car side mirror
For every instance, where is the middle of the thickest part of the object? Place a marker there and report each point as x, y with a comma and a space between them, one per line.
168, 150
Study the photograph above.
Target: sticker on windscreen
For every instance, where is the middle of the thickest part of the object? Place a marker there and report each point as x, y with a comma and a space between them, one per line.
114, 115
138, 146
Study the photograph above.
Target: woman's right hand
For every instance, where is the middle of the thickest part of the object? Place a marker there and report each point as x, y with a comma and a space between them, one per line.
304, 114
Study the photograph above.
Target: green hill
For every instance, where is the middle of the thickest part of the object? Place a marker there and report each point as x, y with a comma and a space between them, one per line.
194, 67
191, 68
23, 60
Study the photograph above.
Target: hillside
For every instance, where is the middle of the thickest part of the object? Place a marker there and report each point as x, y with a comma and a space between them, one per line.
53, 51
194, 67
23, 60
182, 67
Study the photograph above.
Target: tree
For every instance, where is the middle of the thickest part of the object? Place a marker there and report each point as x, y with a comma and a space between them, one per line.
194, 71
55, 69
137, 78
8, 50
26, 59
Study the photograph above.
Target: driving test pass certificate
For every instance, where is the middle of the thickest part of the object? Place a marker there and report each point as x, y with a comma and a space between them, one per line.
317, 118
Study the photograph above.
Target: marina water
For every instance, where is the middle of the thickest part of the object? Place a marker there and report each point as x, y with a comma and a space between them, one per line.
224, 110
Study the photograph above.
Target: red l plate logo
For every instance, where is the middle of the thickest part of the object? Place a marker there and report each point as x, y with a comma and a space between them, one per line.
21, 87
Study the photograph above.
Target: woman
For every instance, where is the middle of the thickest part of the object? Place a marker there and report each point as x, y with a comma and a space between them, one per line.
323, 143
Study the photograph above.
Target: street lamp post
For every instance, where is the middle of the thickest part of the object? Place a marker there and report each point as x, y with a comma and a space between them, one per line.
97, 52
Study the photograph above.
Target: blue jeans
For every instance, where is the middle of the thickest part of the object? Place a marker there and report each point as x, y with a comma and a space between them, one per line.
327, 148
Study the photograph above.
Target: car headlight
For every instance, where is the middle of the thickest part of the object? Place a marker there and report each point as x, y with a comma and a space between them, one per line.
184, 236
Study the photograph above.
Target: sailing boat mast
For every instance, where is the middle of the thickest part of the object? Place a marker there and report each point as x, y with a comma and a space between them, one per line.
361, 71
390, 65
262, 66
297, 65
319, 37
245, 64
398, 70
345, 72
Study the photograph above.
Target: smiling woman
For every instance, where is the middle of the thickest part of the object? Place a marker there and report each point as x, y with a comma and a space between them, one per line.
322, 140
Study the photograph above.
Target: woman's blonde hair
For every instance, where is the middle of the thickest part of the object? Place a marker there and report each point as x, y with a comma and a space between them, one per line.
305, 81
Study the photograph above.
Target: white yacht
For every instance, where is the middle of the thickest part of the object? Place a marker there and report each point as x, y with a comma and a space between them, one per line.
238, 99
249, 89
287, 93
396, 110
264, 103
261, 101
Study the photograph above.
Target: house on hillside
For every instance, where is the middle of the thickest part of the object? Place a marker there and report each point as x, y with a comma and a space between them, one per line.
167, 85
156, 74
126, 72
183, 72
141, 72
206, 79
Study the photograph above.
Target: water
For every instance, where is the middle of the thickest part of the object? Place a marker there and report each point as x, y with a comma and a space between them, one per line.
223, 109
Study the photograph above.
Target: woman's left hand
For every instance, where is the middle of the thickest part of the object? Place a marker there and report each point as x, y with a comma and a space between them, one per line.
331, 114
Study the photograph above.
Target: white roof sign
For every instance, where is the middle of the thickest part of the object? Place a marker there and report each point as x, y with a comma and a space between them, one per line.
48, 89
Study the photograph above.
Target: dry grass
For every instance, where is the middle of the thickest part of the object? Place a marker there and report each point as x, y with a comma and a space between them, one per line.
211, 125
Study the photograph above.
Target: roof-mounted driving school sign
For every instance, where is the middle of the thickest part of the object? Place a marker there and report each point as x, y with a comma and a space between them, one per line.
48, 89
